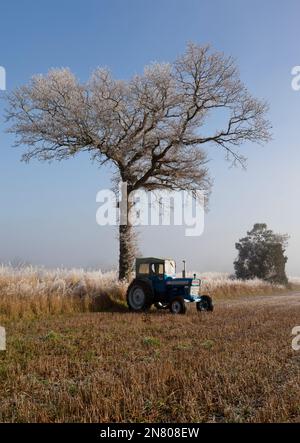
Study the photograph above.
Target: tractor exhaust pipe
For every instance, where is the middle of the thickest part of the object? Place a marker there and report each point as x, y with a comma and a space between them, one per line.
183, 271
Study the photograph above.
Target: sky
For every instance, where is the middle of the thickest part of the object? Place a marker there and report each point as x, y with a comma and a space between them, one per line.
48, 211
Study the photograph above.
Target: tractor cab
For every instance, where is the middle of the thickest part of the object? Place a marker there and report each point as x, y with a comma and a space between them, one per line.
156, 284
155, 268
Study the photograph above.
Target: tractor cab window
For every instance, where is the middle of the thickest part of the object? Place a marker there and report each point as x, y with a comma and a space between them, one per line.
157, 269
170, 267
144, 268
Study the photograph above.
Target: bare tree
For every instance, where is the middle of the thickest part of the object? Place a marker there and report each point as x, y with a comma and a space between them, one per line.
152, 128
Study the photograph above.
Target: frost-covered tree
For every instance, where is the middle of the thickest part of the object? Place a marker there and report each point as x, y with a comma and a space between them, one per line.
152, 128
261, 255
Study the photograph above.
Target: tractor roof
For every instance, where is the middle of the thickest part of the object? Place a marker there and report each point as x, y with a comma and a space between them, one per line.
152, 260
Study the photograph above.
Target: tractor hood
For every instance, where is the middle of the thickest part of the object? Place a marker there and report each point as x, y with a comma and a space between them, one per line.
179, 281
191, 286
183, 281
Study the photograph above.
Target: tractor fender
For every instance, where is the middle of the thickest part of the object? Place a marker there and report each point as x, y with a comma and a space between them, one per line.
143, 282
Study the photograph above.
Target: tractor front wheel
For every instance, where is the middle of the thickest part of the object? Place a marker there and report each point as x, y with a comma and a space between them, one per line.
206, 304
178, 306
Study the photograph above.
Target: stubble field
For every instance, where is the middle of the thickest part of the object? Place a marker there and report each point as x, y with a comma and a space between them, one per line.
65, 363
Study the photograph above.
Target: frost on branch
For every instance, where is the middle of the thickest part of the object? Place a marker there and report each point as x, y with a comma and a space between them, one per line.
152, 128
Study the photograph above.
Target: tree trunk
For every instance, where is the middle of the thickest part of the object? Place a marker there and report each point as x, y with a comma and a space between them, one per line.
127, 240
127, 251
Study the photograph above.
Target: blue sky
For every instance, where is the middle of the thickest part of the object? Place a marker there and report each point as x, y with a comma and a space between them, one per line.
48, 211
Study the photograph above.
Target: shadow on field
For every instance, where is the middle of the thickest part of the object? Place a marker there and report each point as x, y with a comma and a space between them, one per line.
105, 303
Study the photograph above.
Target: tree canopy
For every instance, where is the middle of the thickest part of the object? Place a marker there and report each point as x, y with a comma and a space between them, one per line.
261, 255
152, 128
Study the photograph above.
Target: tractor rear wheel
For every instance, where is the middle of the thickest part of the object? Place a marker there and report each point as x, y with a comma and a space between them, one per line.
178, 306
206, 304
139, 296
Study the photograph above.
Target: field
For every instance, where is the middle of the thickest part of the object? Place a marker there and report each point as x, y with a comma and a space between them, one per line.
65, 361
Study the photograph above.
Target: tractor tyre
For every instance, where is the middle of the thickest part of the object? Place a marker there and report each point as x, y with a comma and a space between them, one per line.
139, 296
178, 306
206, 304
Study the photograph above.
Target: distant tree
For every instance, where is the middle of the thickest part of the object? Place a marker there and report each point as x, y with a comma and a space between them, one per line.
151, 129
261, 255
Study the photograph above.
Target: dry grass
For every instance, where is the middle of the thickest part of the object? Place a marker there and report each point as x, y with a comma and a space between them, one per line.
235, 365
33, 292
28, 293
222, 286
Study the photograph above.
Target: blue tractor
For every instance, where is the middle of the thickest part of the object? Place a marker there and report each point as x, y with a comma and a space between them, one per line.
156, 284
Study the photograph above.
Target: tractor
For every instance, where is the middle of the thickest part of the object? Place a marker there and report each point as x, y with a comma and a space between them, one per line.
156, 284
